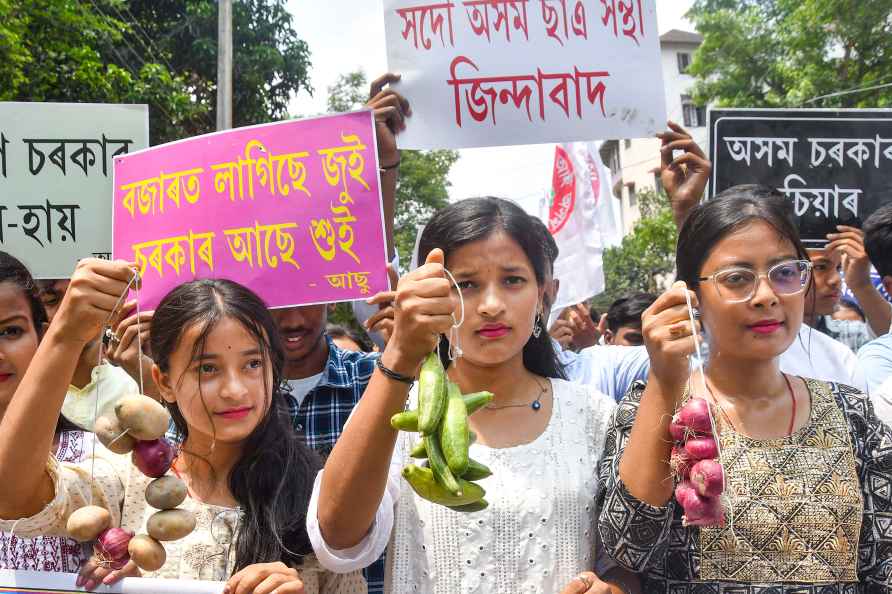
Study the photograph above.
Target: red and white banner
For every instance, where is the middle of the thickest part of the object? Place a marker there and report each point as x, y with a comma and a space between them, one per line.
584, 218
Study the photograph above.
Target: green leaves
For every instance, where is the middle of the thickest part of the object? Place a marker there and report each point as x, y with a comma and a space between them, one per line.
160, 52
786, 53
646, 255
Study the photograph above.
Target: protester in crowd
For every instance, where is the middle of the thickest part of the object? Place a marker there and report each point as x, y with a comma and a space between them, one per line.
218, 365
848, 310
876, 356
623, 321
541, 436
574, 328
612, 370
845, 253
804, 460
346, 339
23, 321
326, 381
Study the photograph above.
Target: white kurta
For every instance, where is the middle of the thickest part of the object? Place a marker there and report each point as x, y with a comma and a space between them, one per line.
537, 533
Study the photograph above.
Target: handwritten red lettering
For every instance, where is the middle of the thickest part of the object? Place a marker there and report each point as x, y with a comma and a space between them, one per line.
555, 18
507, 15
632, 24
415, 17
482, 94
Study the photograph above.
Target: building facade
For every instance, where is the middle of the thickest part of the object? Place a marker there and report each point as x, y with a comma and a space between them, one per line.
635, 163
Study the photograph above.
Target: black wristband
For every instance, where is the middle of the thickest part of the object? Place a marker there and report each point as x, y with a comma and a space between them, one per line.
390, 167
393, 374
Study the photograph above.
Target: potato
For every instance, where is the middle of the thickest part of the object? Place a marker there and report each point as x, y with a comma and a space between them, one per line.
146, 418
146, 552
85, 523
166, 492
170, 524
109, 431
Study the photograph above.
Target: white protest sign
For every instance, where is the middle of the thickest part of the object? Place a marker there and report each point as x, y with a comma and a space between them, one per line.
56, 179
45, 582
503, 72
583, 217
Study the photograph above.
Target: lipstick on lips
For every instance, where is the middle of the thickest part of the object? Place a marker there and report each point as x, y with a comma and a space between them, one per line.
766, 326
493, 331
234, 414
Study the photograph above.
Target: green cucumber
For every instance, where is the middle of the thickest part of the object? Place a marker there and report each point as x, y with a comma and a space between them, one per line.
454, 432
431, 394
476, 471
438, 464
423, 483
405, 421
479, 505
477, 400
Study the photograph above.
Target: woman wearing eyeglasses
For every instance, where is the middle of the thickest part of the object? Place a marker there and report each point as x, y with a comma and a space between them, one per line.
808, 466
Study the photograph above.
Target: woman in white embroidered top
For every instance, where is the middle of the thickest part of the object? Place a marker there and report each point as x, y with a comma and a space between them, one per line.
22, 323
218, 362
541, 436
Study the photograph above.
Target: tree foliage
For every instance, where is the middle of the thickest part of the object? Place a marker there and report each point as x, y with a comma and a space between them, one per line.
784, 53
160, 52
646, 256
422, 187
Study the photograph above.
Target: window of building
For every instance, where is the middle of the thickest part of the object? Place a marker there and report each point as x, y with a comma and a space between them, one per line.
633, 197
694, 116
627, 143
684, 61
658, 182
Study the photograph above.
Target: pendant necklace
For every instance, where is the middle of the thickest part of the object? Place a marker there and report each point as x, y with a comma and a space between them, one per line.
536, 404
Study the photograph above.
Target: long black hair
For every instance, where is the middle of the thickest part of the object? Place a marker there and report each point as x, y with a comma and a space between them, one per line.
273, 479
13, 271
475, 219
715, 219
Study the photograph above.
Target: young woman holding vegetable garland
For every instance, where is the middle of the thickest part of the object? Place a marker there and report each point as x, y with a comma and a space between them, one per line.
245, 477
805, 505
540, 436
23, 321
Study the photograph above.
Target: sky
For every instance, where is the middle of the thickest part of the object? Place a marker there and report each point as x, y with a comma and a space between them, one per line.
352, 36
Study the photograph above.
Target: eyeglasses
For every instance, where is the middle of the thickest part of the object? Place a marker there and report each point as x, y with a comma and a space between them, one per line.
735, 285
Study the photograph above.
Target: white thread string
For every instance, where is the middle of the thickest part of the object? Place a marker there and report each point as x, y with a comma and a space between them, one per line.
105, 326
454, 340
698, 366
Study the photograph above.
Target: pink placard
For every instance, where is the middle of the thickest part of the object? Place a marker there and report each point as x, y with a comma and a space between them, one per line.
291, 210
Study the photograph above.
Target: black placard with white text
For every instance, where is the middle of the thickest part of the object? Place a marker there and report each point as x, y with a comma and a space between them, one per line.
835, 166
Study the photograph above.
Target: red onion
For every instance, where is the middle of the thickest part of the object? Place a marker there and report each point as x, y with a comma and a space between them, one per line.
153, 458
113, 543
694, 415
708, 478
677, 430
683, 491
703, 511
680, 462
702, 448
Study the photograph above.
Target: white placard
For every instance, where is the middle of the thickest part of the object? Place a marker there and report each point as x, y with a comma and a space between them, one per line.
505, 72
56, 179
46, 582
